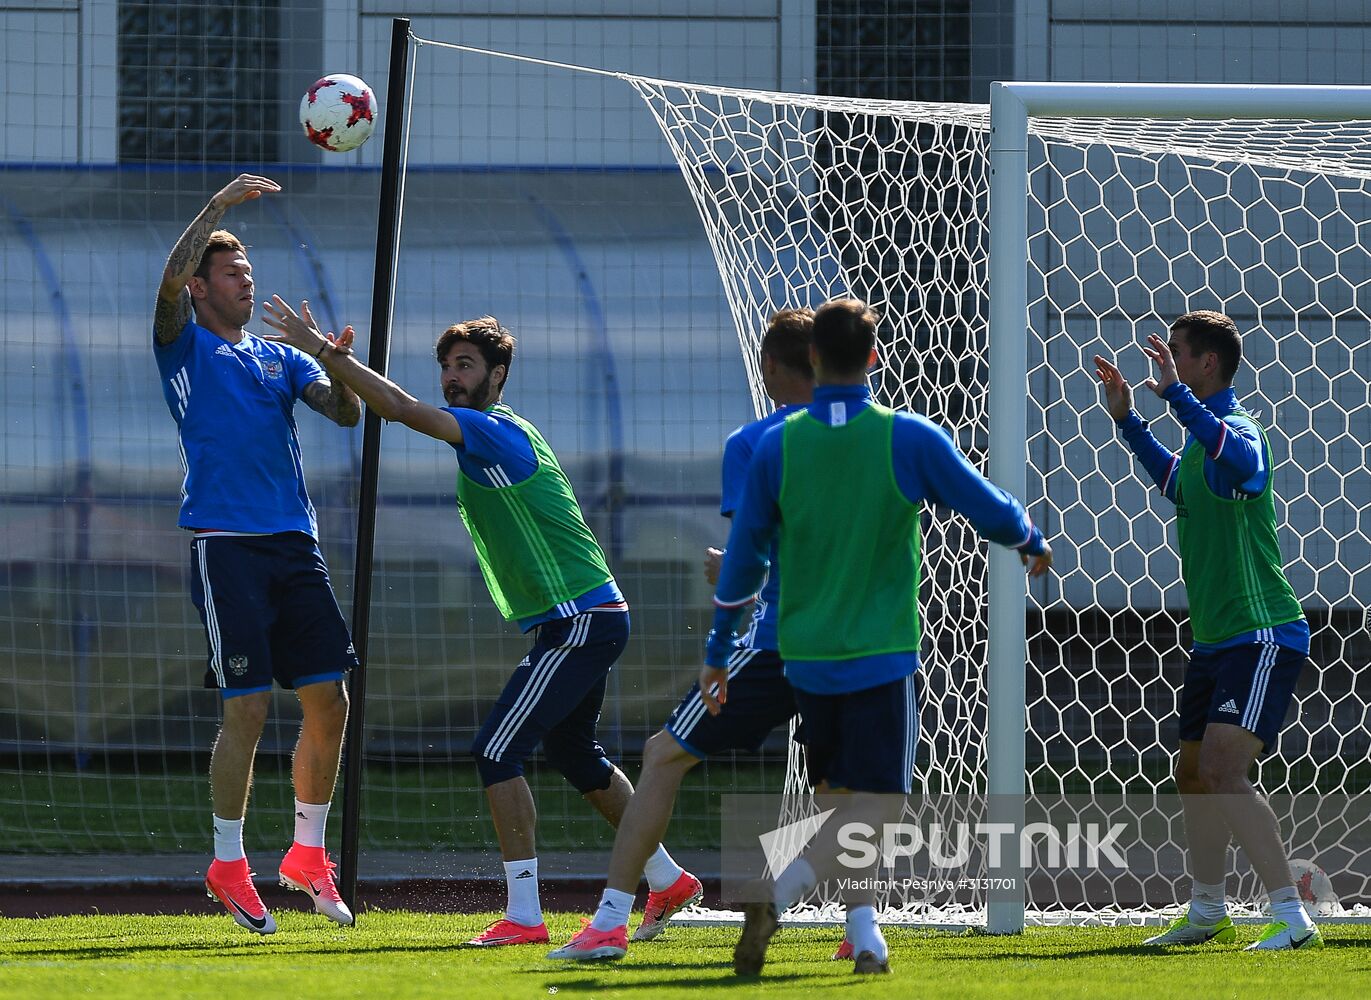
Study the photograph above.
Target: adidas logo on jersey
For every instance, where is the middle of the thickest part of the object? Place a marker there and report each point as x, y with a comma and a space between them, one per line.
223, 350
1229, 706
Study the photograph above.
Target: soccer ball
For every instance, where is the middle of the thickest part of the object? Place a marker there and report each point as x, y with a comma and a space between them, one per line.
338, 112
1315, 889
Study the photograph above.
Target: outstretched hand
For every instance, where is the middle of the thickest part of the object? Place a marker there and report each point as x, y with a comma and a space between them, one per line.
244, 187
1160, 352
299, 329
1118, 394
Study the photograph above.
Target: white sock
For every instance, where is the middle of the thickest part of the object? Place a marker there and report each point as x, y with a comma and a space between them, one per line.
309, 823
661, 871
1286, 905
1208, 903
228, 839
521, 882
865, 933
615, 906
795, 881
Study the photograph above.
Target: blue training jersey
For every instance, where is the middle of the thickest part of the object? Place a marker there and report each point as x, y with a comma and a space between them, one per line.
1235, 466
495, 451
233, 406
927, 465
738, 451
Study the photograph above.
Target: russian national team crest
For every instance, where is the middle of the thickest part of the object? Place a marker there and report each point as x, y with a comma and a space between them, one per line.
273, 368
238, 665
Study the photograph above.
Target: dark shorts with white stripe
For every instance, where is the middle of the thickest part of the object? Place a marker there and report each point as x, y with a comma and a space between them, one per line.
862, 741
268, 611
1250, 686
759, 700
554, 698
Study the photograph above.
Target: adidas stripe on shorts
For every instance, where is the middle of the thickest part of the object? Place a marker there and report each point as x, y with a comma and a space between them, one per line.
269, 613
759, 700
1250, 686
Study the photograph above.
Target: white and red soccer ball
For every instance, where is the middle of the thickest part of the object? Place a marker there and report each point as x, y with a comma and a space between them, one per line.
338, 113
1315, 889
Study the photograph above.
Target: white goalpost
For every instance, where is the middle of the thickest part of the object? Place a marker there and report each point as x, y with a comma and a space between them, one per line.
1011, 107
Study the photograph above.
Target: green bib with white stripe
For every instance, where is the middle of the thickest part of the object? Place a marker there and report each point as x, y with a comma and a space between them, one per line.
534, 547
1230, 559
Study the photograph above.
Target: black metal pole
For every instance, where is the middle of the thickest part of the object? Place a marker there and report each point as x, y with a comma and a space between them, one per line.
378, 356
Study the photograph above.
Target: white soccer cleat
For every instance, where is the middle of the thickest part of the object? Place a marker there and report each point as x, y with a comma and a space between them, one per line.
1185, 931
1279, 936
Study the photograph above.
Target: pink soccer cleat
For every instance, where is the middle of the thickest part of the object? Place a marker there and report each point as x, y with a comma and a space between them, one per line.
505, 931
844, 952
662, 906
591, 944
310, 870
230, 882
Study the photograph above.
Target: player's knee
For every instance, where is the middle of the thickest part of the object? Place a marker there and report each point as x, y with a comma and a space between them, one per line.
662, 750
493, 771
334, 707
246, 714
1220, 776
325, 706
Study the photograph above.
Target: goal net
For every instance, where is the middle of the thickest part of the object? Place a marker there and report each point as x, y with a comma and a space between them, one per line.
1130, 224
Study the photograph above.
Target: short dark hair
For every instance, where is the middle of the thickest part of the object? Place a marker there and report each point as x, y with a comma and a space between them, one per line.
844, 335
787, 340
495, 343
1207, 330
219, 240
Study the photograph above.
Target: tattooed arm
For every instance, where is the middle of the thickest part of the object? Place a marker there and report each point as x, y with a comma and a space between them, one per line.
173, 297
334, 400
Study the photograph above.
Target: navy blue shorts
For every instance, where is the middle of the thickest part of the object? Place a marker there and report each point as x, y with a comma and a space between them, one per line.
554, 698
759, 700
862, 741
1249, 686
268, 611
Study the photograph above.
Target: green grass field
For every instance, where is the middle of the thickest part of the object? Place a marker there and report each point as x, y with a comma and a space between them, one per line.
58, 809
404, 955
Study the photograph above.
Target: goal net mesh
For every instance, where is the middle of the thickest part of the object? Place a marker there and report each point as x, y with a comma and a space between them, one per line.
1131, 223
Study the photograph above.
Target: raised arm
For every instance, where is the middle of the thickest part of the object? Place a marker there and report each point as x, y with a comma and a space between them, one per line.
335, 354
1233, 443
173, 298
1159, 461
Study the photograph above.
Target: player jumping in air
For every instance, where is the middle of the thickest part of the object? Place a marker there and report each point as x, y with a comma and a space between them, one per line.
1251, 637
258, 578
841, 484
761, 696
545, 571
